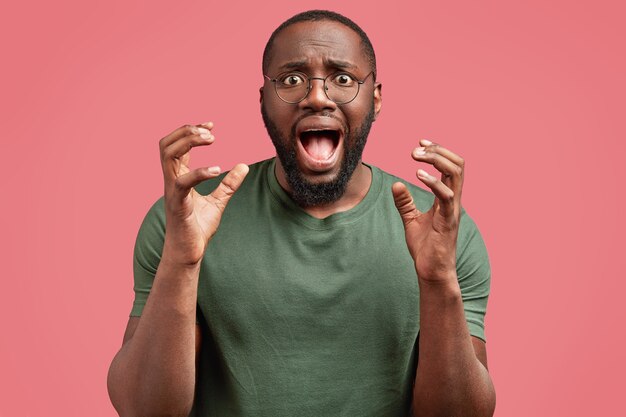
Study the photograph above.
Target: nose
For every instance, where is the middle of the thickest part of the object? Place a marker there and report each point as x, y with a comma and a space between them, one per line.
317, 99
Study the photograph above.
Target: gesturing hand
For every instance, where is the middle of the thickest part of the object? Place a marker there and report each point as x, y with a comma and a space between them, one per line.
431, 236
192, 219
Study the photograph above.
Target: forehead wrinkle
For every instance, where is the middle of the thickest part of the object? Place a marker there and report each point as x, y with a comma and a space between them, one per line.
294, 64
338, 63
327, 62
322, 47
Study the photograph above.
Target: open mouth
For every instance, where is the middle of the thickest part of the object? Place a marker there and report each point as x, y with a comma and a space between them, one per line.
320, 144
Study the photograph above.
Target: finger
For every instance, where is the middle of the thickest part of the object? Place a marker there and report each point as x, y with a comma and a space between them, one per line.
444, 196
182, 131
404, 203
184, 183
207, 125
184, 144
231, 183
451, 173
175, 158
434, 147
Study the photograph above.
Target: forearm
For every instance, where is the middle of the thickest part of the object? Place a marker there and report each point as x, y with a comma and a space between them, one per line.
450, 380
154, 372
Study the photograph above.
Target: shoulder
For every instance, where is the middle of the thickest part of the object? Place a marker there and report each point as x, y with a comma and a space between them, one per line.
155, 217
154, 220
256, 174
423, 199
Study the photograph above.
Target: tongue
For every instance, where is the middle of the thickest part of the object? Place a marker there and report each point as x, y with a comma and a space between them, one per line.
318, 146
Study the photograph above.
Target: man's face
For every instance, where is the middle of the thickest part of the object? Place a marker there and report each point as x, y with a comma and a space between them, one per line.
319, 143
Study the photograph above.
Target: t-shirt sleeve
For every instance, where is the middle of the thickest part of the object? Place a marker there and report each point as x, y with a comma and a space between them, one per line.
474, 274
147, 254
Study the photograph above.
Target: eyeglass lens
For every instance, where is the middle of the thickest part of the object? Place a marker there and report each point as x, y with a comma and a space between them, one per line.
294, 87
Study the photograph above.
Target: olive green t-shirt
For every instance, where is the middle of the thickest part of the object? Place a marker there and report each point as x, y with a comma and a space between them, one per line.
309, 317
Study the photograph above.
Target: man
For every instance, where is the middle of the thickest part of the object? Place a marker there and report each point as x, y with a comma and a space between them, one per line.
320, 285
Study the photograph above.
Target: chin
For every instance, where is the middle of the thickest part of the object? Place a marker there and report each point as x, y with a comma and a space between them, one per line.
311, 183
318, 179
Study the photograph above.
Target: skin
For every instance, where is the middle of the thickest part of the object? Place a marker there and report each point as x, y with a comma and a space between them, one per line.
318, 47
155, 370
452, 377
154, 373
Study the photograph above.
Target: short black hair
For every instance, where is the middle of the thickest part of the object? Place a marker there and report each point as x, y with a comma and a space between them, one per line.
319, 15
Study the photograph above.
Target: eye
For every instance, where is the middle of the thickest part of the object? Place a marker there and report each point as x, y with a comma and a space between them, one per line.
343, 80
291, 79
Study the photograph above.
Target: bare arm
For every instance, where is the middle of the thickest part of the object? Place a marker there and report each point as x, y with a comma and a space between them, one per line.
154, 372
133, 322
451, 376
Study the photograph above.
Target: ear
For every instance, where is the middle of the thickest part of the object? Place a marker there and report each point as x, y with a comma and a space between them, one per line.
261, 95
378, 99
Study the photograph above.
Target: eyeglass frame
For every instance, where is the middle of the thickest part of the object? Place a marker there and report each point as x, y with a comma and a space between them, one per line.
309, 88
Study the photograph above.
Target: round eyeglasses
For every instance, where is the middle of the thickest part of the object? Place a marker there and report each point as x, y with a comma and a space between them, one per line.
340, 87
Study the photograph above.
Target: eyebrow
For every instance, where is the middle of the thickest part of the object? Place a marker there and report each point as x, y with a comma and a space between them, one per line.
329, 62
336, 63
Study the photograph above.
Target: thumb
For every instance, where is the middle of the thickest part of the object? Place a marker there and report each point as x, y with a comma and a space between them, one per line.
404, 203
230, 183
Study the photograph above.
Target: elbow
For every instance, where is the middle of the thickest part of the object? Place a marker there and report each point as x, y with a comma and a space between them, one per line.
132, 407
135, 409
482, 410
484, 401
129, 401
489, 404
480, 403
458, 403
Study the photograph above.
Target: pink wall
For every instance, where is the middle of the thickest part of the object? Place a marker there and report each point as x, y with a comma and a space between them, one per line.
530, 93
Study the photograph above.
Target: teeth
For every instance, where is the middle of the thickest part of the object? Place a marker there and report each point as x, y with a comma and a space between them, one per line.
319, 130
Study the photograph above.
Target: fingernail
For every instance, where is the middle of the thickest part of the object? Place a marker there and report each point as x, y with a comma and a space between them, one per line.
206, 136
202, 130
426, 142
423, 174
420, 151
214, 170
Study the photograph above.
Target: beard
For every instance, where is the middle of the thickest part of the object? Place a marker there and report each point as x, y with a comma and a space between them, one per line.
306, 193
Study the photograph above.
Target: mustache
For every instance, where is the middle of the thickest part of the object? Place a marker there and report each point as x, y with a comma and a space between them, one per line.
344, 126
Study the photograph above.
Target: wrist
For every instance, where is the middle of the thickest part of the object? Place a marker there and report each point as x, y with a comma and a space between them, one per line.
445, 285
440, 277
173, 255
181, 249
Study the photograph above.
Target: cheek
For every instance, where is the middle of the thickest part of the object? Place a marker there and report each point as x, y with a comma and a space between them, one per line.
279, 111
357, 115
271, 102
278, 117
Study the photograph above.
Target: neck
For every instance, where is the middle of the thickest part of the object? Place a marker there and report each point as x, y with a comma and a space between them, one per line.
356, 190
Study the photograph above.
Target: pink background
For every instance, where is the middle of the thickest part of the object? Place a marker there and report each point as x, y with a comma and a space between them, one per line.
530, 93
